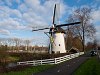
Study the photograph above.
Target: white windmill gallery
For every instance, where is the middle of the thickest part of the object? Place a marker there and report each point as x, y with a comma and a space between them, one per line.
56, 35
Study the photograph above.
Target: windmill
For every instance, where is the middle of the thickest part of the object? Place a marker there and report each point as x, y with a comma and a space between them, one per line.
56, 35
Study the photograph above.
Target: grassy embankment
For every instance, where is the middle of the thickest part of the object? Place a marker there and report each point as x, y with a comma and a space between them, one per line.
23, 70
29, 71
90, 67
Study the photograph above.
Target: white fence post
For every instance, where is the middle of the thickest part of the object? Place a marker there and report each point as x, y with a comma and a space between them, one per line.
55, 61
34, 64
70, 55
41, 62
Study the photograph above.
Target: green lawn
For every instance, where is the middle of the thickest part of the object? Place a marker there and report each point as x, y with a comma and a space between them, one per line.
90, 67
29, 71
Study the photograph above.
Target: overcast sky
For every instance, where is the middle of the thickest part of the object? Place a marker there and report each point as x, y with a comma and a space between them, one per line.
17, 17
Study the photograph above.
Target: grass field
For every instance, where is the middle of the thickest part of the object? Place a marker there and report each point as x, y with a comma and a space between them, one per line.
30, 70
90, 67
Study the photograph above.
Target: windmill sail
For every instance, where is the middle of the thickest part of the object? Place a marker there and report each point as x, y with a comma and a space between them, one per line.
61, 25
40, 29
57, 16
54, 14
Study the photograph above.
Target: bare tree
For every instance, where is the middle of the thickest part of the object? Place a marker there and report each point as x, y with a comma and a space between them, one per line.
17, 42
27, 43
4, 44
69, 38
14, 44
86, 29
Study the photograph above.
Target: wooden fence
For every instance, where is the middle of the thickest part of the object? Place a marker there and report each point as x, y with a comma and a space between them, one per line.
51, 61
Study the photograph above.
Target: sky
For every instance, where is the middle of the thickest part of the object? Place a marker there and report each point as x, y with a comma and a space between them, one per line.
19, 17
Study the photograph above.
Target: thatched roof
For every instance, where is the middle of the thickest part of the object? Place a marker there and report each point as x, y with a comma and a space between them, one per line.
60, 30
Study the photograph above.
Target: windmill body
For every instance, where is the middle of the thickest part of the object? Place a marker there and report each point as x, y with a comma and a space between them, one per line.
59, 43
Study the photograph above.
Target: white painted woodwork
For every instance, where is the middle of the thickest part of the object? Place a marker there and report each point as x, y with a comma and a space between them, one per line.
59, 43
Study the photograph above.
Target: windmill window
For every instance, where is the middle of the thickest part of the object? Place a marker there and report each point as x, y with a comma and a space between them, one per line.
59, 44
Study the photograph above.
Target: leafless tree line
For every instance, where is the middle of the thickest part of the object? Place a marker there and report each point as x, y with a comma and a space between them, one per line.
15, 43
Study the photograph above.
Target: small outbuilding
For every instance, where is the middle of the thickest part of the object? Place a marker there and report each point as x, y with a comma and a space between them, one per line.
73, 50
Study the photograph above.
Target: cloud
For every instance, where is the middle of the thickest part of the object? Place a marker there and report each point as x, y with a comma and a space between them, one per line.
10, 12
37, 14
4, 32
78, 1
8, 2
10, 24
98, 27
31, 12
98, 32
96, 15
16, 13
97, 0
10, 19
18, 1
96, 20
40, 40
